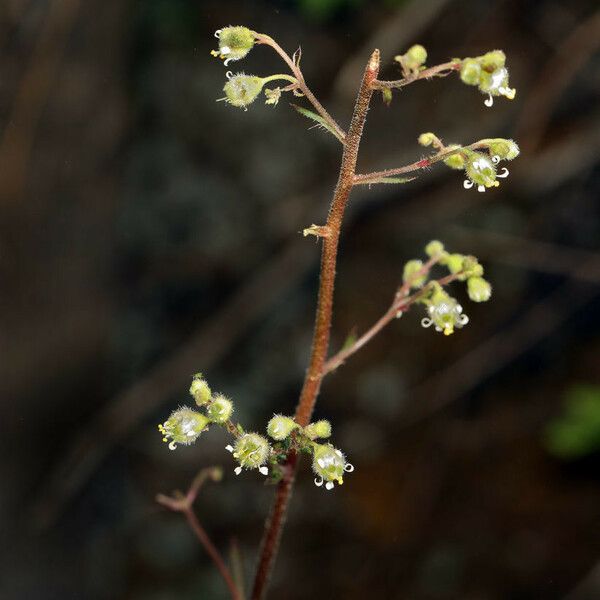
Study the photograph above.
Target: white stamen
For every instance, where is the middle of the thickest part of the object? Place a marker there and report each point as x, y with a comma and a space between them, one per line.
263, 470
495, 159
463, 319
172, 445
318, 481
468, 184
348, 468
426, 322
503, 173
481, 188
339, 453
329, 485
229, 448
489, 102
459, 308
217, 33
321, 463
191, 433
227, 61
229, 74
237, 470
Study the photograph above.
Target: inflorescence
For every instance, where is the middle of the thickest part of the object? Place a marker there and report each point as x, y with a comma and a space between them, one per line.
253, 451
443, 311
481, 165
269, 454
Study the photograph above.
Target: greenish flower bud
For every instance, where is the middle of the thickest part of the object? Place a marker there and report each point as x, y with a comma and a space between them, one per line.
411, 276
320, 429
183, 426
220, 409
470, 71
472, 267
504, 149
386, 94
445, 314
234, 43
280, 427
415, 57
426, 139
434, 248
454, 262
329, 464
455, 161
479, 289
251, 450
200, 390
241, 90
490, 61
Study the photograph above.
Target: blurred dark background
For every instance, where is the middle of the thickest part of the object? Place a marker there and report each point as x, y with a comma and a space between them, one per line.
148, 232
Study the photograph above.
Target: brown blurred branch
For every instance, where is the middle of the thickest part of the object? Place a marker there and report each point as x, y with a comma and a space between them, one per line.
558, 72
185, 505
31, 96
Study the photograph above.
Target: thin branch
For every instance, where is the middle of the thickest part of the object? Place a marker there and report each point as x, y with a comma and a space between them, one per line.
314, 375
438, 71
184, 504
399, 306
376, 176
302, 86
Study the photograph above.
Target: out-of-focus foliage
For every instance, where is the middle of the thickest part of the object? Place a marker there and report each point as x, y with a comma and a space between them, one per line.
576, 433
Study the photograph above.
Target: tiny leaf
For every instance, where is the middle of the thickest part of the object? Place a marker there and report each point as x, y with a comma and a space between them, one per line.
309, 114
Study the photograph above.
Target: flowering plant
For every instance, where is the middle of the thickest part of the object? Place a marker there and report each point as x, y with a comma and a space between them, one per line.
276, 455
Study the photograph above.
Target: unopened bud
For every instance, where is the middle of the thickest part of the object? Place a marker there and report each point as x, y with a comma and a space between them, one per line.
479, 289
411, 273
220, 409
320, 429
200, 390
280, 427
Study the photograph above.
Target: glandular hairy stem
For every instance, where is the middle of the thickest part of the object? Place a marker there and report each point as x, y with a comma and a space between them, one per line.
321, 335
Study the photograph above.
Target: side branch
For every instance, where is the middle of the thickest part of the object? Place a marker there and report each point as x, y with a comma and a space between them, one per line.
184, 504
293, 64
376, 176
437, 71
402, 302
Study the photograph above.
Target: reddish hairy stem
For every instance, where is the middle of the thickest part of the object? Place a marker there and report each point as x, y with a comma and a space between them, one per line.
371, 178
437, 71
320, 345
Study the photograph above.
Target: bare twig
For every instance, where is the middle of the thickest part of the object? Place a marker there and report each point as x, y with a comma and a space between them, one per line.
292, 63
184, 504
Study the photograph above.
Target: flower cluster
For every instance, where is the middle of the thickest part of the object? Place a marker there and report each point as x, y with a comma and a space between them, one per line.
443, 311
489, 74
242, 90
254, 451
480, 165
184, 425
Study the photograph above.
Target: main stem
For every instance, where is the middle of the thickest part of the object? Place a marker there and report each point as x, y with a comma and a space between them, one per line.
320, 345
